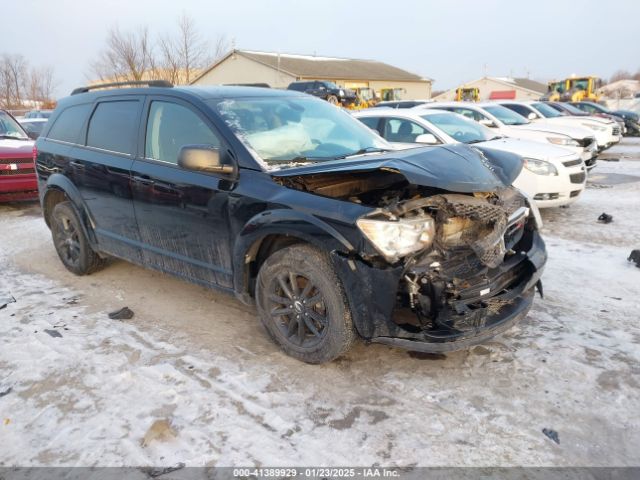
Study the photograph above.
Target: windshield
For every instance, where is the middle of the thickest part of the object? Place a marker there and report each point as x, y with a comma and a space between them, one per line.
546, 110
572, 110
459, 128
506, 116
281, 130
9, 128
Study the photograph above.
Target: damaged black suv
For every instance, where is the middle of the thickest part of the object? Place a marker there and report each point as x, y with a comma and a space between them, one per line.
290, 203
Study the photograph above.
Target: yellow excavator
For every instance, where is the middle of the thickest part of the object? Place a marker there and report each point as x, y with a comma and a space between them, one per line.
365, 98
467, 94
573, 89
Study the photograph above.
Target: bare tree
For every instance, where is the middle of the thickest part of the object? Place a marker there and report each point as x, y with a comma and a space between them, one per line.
40, 84
620, 75
187, 52
13, 73
127, 56
176, 57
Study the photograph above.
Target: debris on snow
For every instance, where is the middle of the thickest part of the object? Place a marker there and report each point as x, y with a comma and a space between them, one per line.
125, 313
5, 300
157, 472
6, 392
605, 218
53, 333
635, 257
160, 430
552, 434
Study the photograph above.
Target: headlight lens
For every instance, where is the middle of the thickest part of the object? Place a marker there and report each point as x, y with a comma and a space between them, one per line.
540, 167
397, 239
563, 141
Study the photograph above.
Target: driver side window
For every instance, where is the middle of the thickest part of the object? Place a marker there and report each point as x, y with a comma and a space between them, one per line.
170, 126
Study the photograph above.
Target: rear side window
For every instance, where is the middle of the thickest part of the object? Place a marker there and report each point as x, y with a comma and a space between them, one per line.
69, 123
521, 109
298, 87
114, 126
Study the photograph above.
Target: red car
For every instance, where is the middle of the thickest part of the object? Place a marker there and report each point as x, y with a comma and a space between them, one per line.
17, 172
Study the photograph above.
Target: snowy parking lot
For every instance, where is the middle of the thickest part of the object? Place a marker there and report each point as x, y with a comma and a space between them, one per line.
193, 378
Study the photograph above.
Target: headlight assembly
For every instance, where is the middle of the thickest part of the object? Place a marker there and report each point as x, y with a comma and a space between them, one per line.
566, 141
396, 239
539, 167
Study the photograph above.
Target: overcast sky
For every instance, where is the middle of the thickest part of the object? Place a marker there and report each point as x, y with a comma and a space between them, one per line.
449, 41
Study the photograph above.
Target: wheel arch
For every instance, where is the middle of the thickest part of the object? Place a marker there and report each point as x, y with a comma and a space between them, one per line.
271, 231
59, 189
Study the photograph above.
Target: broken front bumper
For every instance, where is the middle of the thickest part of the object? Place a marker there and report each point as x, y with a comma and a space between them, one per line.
466, 310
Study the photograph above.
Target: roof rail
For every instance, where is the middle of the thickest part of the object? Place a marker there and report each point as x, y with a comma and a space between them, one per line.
146, 83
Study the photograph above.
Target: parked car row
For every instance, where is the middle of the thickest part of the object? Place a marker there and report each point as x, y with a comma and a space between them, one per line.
295, 206
552, 176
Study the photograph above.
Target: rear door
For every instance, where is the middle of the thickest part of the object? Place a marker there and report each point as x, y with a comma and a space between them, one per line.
100, 169
182, 215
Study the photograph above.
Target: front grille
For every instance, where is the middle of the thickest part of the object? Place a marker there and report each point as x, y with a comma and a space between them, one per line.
22, 171
9, 161
616, 131
572, 163
577, 177
575, 193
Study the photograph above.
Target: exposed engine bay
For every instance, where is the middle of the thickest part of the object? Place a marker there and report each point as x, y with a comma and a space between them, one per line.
472, 267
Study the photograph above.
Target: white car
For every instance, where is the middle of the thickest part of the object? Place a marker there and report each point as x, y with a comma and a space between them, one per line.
606, 131
553, 176
508, 123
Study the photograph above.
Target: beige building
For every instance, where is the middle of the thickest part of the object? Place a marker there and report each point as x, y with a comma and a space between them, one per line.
500, 88
278, 70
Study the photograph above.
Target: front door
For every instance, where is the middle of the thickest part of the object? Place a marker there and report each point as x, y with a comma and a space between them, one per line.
182, 215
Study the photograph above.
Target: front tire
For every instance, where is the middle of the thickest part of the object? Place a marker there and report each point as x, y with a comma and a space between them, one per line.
70, 241
301, 303
333, 100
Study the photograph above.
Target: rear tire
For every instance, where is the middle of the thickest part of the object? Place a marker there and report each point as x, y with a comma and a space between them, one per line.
301, 303
70, 241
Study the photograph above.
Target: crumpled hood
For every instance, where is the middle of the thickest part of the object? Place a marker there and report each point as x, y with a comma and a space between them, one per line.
455, 168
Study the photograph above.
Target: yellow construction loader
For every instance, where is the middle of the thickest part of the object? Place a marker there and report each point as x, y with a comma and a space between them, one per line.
467, 94
573, 89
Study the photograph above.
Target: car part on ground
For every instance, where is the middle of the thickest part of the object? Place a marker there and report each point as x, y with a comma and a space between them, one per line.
553, 176
605, 218
634, 256
278, 197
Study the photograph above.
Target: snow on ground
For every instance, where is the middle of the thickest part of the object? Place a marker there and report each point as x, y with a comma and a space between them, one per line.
77, 388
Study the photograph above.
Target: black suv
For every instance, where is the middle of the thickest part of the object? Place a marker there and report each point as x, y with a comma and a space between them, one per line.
292, 204
328, 91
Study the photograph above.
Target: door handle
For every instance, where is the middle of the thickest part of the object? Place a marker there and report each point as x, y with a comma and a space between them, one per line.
143, 180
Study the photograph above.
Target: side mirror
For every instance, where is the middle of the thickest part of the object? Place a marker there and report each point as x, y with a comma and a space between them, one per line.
427, 138
204, 158
487, 123
532, 116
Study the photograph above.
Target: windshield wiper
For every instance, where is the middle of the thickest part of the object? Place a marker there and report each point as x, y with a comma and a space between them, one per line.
362, 151
298, 159
497, 137
470, 142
